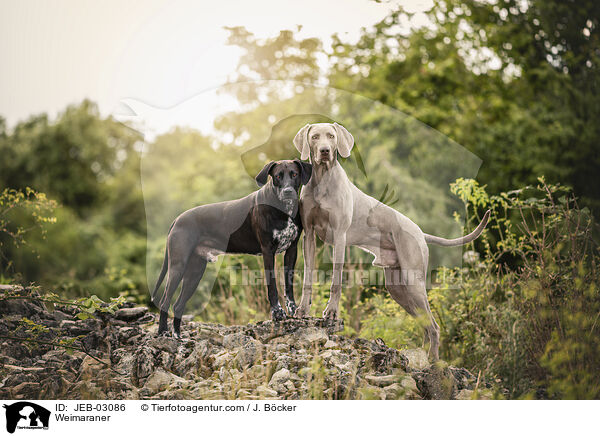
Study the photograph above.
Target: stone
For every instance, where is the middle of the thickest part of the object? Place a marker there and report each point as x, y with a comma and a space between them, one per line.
329, 344
143, 363
25, 390
223, 358
381, 380
470, 394
435, 382
90, 367
311, 336
247, 355
409, 385
264, 391
463, 378
464, 394
161, 380
278, 380
164, 343
236, 340
292, 359
20, 368
131, 313
417, 358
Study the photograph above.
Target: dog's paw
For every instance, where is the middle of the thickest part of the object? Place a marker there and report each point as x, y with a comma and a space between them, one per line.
331, 313
291, 307
301, 312
277, 313
163, 333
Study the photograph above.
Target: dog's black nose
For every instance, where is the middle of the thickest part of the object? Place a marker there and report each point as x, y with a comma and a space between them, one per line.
324, 151
288, 192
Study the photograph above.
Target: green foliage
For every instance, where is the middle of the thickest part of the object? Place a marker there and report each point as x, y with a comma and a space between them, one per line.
22, 211
88, 170
526, 312
33, 335
91, 305
514, 82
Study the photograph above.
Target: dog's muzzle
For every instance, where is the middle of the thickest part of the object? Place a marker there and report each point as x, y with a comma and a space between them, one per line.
288, 194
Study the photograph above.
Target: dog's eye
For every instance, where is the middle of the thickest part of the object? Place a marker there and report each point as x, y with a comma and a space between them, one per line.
278, 176
330, 136
315, 137
293, 175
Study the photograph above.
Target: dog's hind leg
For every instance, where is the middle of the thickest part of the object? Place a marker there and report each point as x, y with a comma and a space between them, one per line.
180, 250
192, 276
409, 291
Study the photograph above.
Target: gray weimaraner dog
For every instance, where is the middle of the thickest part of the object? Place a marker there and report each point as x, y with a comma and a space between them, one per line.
341, 215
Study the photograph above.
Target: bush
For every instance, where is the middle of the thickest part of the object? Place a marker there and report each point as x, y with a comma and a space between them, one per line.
526, 313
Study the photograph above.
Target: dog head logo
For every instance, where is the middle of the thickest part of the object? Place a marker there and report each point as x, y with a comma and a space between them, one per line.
26, 415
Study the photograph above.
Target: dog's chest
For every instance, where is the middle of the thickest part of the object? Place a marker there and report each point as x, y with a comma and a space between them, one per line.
285, 236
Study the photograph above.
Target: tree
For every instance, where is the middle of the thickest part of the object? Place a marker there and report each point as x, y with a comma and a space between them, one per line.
515, 82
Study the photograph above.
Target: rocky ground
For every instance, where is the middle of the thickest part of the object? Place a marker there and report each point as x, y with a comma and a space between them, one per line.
293, 359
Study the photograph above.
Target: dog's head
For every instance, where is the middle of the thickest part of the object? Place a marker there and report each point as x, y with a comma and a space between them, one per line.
322, 142
287, 177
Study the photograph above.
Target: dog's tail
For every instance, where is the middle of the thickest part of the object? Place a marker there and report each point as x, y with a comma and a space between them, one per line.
163, 271
430, 239
161, 277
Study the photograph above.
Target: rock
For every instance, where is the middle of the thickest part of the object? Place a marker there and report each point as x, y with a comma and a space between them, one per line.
279, 379
292, 359
87, 390
25, 307
311, 336
164, 343
470, 394
26, 390
417, 358
161, 380
264, 391
465, 394
90, 367
210, 333
386, 360
381, 380
20, 368
410, 390
329, 344
281, 348
224, 358
235, 340
247, 355
435, 383
143, 363
463, 378
131, 313
77, 328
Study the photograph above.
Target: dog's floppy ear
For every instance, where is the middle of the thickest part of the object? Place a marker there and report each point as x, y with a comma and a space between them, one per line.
301, 142
305, 171
261, 178
345, 140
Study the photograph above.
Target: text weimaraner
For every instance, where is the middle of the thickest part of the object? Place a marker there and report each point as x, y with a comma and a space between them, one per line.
341, 215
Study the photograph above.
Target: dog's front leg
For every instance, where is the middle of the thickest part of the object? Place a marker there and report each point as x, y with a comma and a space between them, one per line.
332, 311
277, 313
309, 263
289, 265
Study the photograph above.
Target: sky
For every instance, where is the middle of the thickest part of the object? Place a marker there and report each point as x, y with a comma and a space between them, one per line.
157, 52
